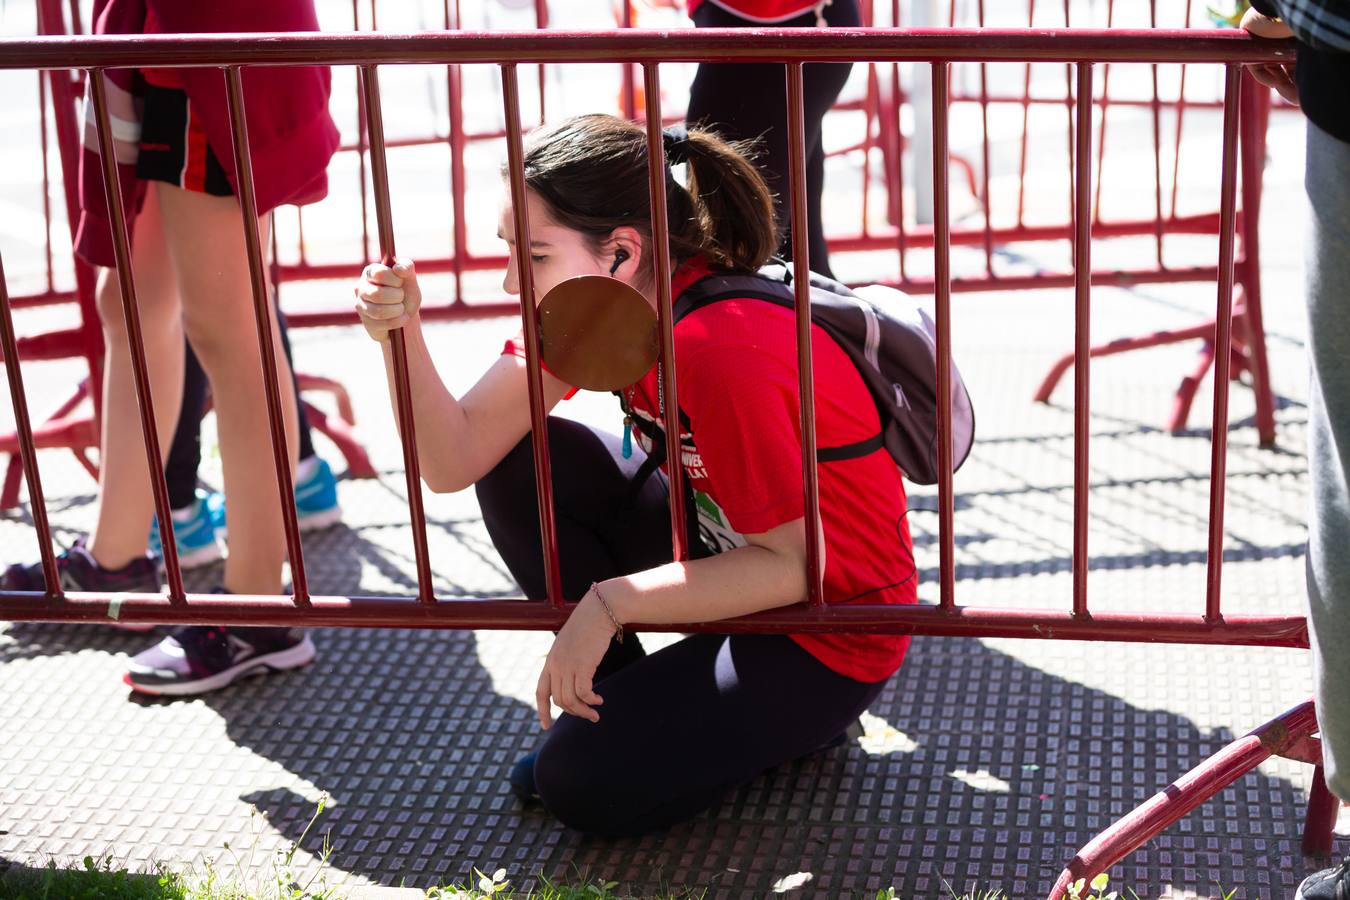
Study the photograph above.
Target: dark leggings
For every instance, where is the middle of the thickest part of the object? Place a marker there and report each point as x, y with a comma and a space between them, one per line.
685, 724
745, 101
185, 453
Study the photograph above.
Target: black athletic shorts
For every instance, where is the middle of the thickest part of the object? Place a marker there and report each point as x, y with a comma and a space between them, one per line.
174, 148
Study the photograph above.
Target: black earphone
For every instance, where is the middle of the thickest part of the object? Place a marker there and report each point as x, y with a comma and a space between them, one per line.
620, 257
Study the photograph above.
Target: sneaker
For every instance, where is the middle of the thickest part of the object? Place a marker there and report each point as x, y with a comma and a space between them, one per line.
194, 531
79, 572
521, 779
1328, 884
316, 500
196, 659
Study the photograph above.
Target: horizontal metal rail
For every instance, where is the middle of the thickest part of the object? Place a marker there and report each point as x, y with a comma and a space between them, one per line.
527, 615
1065, 45
1078, 622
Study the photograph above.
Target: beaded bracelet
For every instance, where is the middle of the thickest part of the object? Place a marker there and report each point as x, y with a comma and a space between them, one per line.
618, 627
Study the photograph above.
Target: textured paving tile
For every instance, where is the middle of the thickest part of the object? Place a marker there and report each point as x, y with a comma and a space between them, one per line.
987, 761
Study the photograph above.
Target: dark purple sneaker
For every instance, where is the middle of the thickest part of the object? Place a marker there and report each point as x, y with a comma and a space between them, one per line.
79, 572
1328, 884
196, 659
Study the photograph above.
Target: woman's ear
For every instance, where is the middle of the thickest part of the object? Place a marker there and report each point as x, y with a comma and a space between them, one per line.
622, 253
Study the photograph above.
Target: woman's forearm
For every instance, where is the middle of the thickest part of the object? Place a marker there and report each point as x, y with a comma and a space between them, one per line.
439, 419
735, 583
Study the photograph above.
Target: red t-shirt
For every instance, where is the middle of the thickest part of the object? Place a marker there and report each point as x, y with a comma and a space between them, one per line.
736, 363
765, 11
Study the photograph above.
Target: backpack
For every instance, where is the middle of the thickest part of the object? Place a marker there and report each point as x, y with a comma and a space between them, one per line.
892, 342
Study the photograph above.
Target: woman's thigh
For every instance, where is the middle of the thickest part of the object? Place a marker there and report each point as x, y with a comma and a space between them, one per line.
606, 524
680, 727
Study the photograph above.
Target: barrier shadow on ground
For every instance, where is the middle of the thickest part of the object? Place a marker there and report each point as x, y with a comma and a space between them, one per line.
979, 771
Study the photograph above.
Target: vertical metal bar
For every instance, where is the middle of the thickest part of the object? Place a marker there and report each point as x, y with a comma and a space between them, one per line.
360, 147
459, 247
1101, 130
515, 163
9, 345
1082, 284
1253, 115
801, 272
1176, 149
1156, 106
540, 24
660, 250
629, 85
46, 180
112, 189
384, 221
896, 182
984, 165
942, 296
1181, 112
1069, 119
263, 313
1218, 467
1026, 121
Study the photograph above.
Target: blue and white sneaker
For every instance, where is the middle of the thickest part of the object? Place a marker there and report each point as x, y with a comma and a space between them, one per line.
194, 531
316, 500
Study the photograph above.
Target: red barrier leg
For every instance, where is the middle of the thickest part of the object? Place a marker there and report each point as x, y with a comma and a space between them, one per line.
1186, 793
1181, 406
1323, 808
1255, 113
340, 433
1122, 345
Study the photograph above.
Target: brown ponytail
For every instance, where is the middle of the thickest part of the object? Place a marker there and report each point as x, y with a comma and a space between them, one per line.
592, 172
735, 205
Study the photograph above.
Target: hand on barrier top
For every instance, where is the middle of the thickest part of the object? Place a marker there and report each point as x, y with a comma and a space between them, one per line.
1277, 76
387, 297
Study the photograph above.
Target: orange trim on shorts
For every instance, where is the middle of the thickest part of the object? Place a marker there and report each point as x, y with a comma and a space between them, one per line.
194, 154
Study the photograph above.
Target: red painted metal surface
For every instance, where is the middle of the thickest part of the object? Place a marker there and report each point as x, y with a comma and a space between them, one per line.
881, 133
398, 345
939, 48
669, 402
1185, 794
1222, 324
515, 155
262, 313
801, 282
942, 278
1087, 47
1082, 302
112, 190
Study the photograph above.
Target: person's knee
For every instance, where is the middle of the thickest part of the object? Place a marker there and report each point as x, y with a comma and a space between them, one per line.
513, 477
578, 788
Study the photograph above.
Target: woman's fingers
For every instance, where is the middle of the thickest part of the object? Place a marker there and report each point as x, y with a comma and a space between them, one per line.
570, 693
379, 309
541, 694
377, 273
586, 695
1279, 77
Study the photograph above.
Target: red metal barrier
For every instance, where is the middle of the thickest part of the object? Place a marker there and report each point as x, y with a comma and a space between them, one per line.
882, 104
1081, 49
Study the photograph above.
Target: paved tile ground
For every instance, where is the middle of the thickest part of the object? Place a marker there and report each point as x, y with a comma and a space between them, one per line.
986, 761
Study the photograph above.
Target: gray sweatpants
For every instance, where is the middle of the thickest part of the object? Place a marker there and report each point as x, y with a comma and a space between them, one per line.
1328, 182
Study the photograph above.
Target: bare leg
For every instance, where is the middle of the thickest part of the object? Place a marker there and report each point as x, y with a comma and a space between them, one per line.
206, 245
125, 502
